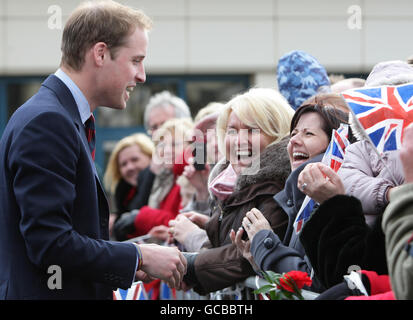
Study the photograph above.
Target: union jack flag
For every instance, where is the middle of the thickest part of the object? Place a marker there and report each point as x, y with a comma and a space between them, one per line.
135, 292
333, 157
383, 112
304, 213
166, 293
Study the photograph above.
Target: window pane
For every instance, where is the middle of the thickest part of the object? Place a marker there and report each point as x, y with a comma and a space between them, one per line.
200, 93
19, 93
133, 115
108, 147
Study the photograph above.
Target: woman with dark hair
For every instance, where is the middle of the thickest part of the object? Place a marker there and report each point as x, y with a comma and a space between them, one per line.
345, 232
329, 106
310, 134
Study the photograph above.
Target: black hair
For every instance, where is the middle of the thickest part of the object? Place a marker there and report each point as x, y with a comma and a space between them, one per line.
331, 108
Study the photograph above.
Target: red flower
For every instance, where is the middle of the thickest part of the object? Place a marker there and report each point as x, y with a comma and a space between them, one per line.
300, 278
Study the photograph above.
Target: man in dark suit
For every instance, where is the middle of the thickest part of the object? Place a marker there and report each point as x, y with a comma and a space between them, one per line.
53, 211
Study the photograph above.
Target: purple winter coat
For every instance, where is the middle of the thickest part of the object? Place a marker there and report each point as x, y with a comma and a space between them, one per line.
366, 177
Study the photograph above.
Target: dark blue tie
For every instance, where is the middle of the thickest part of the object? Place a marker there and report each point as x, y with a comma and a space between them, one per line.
90, 134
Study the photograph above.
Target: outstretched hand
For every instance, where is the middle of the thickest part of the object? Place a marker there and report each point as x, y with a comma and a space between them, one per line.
165, 263
243, 246
180, 227
320, 182
198, 218
160, 232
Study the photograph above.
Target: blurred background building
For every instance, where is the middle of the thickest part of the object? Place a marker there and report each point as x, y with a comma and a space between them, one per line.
206, 50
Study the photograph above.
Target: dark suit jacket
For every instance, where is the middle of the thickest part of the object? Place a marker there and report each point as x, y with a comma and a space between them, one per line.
53, 210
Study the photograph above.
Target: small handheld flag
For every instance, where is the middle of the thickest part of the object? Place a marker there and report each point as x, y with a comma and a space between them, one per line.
333, 157
383, 112
135, 292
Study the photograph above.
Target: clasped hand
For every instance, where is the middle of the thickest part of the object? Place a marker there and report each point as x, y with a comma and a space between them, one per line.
320, 182
165, 263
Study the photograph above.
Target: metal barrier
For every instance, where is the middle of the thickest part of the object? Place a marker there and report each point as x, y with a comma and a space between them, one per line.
240, 291
257, 282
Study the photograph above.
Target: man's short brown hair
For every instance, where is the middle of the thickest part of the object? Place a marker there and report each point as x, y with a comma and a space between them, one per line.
93, 22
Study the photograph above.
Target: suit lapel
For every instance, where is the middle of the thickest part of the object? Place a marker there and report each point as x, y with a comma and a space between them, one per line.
68, 102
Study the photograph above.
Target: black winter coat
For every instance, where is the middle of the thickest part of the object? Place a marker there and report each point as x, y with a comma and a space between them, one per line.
273, 253
124, 202
337, 240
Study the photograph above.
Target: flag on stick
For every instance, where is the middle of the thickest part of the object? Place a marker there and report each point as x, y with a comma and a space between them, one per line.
383, 113
135, 292
333, 157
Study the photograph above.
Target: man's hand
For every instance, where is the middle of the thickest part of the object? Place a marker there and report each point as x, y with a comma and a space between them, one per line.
165, 263
143, 276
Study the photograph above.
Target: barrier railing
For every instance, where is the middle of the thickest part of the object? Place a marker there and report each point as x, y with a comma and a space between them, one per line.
240, 291
257, 282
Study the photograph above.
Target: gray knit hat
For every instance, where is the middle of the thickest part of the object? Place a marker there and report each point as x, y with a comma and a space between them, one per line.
410, 60
390, 73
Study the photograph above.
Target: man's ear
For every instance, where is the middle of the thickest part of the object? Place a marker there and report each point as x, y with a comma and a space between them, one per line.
99, 52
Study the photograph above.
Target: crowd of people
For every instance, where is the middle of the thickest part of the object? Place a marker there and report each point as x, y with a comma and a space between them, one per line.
219, 193
262, 146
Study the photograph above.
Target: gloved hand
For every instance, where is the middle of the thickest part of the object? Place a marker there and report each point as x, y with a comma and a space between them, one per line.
125, 225
190, 276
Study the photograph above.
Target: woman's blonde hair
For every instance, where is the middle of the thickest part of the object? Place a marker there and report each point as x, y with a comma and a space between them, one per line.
174, 127
262, 108
112, 173
210, 108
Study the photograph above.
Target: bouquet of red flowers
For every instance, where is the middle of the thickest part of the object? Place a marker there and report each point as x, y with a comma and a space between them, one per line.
284, 286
